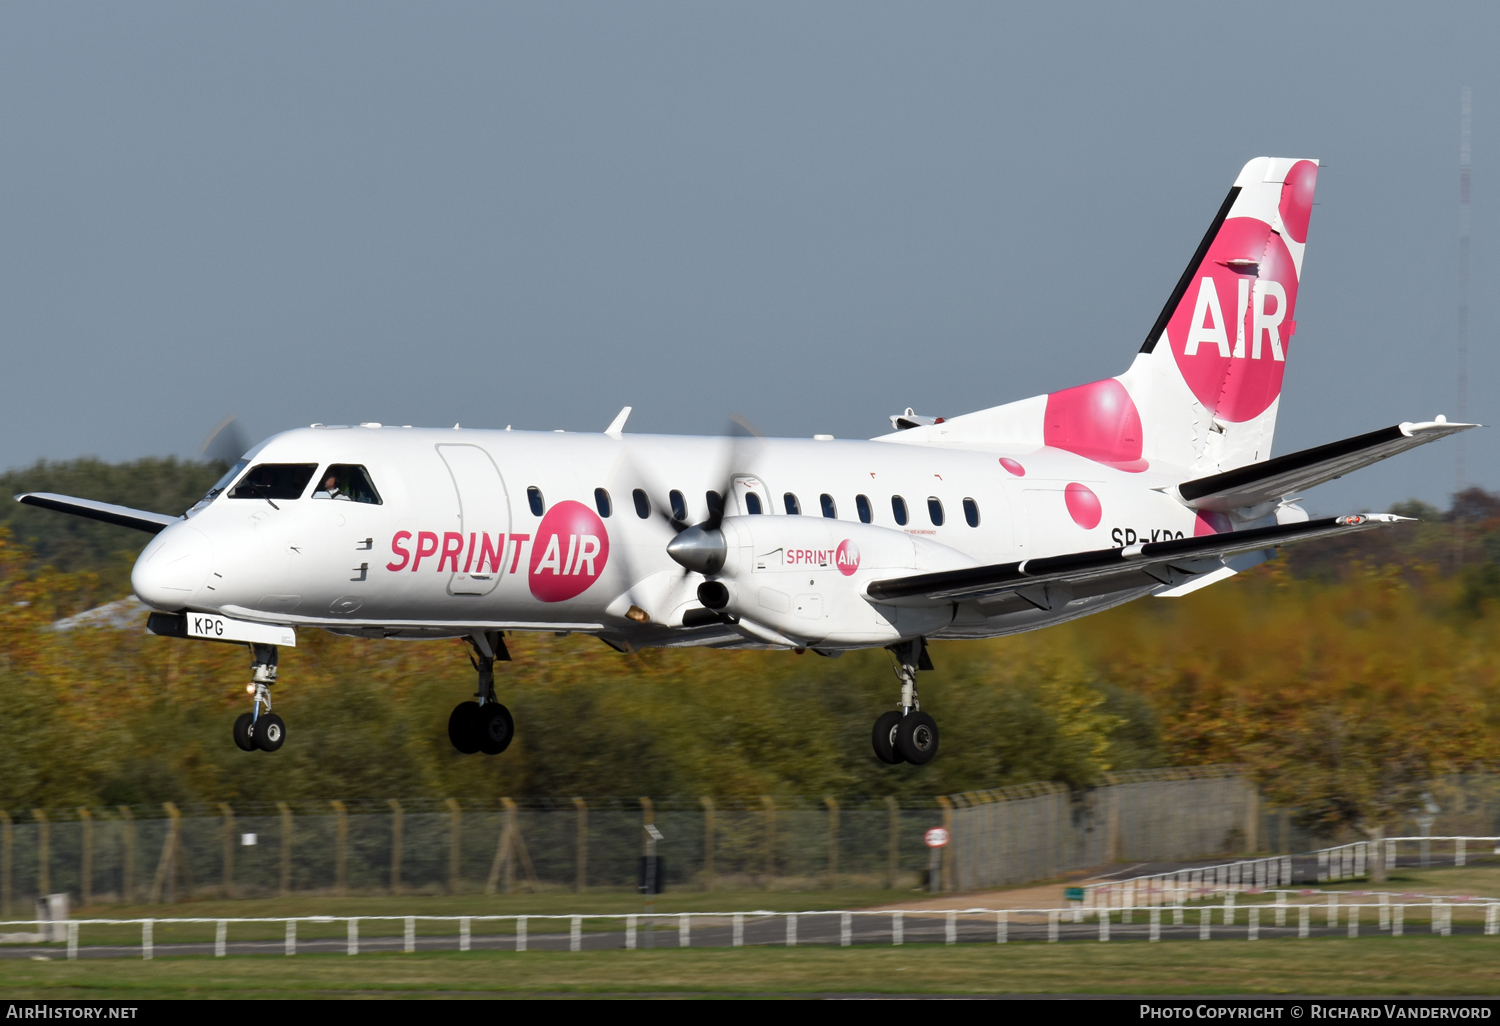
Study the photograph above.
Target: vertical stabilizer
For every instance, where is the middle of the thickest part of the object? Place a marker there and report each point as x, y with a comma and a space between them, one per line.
1207, 381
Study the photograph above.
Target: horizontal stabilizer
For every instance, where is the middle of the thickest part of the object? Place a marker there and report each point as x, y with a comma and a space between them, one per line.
120, 516
1284, 476
1165, 562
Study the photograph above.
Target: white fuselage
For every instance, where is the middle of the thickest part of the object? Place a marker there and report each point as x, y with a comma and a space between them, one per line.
455, 546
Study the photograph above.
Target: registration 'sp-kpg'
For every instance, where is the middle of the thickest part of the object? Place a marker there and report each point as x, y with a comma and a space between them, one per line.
1158, 481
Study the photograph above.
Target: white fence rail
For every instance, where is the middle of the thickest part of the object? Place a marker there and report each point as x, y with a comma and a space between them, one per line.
1341, 862
1388, 910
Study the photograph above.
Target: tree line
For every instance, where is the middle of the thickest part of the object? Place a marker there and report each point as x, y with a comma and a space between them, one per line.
1343, 676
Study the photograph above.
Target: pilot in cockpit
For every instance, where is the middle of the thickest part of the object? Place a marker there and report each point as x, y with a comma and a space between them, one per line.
332, 487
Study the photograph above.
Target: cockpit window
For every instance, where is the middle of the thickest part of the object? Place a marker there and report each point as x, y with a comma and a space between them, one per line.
274, 481
219, 485
347, 481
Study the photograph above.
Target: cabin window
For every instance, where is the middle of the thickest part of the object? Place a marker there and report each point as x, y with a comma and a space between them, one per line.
971, 512
715, 503
752, 504
642, 504
347, 481
793, 507
829, 509
862, 506
274, 481
601, 500
679, 506
898, 509
935, 510
535, 500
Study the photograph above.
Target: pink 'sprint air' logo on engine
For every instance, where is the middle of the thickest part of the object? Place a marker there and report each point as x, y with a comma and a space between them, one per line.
1231, 331
570, 552
847, 557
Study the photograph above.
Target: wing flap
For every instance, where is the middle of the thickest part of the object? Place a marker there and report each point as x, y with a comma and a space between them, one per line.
108, 512
1283, 476
1168, 562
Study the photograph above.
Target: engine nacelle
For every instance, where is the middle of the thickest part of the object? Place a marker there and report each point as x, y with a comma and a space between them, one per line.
804, 579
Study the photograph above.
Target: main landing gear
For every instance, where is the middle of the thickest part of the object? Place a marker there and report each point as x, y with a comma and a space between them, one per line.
256, 729
486, 725
907, 734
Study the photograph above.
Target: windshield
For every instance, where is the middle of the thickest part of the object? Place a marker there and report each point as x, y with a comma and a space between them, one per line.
274, 481
348, 481
223, 483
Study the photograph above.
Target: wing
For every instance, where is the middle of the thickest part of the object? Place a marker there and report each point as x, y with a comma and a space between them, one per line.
120, 516
1286, 475
1100, 570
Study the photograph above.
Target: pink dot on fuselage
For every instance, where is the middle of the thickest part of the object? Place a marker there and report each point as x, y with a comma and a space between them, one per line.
1297, 199
1083, 506
1012, 466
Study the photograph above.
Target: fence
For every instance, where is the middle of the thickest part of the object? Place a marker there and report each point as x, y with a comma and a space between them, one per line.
1269, 915
1340, 862
1011, 835
999, 837
120, 855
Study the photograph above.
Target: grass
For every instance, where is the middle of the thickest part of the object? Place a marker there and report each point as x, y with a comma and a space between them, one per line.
1328, 966
1482, 880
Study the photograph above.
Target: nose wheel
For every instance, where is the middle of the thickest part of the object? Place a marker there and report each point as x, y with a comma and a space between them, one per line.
486, 725
907, 734
261, 729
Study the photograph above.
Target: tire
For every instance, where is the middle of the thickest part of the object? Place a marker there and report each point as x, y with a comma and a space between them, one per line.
462, 728
270, 733
494, 727
244, 737
917, 738
883, 737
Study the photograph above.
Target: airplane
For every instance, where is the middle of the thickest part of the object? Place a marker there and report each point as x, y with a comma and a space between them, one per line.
1156, 482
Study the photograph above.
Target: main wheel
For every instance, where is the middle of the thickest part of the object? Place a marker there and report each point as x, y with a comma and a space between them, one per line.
883, 737
244, 735
917, 738
463, 730
495, 728
270, 733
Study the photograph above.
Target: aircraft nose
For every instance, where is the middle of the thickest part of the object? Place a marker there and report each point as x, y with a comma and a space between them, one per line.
174, 566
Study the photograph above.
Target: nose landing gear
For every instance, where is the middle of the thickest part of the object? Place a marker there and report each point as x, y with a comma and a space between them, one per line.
907, 734
256, 729
486, 725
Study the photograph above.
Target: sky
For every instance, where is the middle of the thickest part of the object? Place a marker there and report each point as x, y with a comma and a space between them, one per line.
812, 215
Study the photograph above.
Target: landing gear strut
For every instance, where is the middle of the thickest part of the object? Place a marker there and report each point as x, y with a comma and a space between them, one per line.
257, 729
907, 734
486, 725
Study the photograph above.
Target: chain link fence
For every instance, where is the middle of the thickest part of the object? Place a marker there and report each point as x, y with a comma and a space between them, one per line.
169, 854
1005, 836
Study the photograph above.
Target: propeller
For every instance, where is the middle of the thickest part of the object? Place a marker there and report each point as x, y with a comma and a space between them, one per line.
701, 548
226, 442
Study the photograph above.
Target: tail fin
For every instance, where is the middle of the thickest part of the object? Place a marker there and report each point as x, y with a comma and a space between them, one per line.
1203, 392
1207, 381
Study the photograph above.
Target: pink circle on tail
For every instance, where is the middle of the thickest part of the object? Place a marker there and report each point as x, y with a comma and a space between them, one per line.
1083, 506
1012, 466
1218, 356
1098, 421
1297, 199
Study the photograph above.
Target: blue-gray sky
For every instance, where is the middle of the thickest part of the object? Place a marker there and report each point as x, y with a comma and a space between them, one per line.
812, 214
